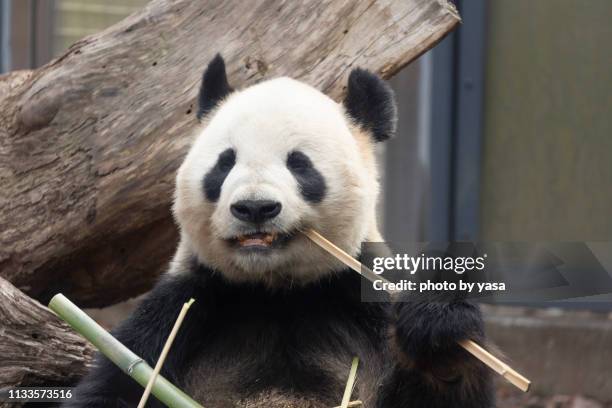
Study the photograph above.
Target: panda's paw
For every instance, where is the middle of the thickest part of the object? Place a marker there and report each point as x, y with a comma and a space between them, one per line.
428, 331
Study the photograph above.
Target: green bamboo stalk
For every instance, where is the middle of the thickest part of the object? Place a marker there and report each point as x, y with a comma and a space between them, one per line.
123, 357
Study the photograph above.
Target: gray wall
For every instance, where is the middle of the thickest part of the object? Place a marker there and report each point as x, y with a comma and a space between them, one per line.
547, 158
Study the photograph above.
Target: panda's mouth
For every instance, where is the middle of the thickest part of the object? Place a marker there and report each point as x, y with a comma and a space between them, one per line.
260, 240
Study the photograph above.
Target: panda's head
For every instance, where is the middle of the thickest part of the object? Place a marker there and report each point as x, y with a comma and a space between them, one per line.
276, 158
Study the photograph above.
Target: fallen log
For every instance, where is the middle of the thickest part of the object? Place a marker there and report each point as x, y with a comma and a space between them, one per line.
37, 348
90, 142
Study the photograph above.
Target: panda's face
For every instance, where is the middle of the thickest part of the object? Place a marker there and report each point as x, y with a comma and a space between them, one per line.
271, 161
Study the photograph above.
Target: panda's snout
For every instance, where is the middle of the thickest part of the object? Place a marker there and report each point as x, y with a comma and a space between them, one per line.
255, 211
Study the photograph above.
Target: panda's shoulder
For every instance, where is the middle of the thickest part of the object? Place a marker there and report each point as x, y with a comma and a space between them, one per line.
178, 285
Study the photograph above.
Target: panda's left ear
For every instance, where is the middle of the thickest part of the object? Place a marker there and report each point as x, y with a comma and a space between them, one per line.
370, 102
214, 86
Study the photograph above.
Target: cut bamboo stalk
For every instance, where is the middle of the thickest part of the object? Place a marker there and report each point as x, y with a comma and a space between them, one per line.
119, 354
352, 404
477, 351
164, 353
343, 257
350, 383
496, 365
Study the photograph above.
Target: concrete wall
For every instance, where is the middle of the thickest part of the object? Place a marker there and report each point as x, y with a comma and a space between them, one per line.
561, 352
547, 145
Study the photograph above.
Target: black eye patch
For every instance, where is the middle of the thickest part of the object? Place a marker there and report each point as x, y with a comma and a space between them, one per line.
311, 182
216, 176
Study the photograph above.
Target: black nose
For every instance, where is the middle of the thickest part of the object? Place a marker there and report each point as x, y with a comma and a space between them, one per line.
255, 210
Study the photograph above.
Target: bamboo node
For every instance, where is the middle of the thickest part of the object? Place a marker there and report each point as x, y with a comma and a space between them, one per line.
130, 367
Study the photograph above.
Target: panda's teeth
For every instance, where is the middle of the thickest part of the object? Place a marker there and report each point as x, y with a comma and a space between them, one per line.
253, 242
257, 239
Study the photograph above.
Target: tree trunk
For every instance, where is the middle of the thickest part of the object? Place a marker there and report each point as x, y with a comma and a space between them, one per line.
90, 142
37, 348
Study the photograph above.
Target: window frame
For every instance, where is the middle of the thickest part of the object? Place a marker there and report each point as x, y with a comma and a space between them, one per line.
26, 28
457, 118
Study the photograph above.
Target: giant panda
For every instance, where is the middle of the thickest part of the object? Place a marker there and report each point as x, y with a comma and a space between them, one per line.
276, 321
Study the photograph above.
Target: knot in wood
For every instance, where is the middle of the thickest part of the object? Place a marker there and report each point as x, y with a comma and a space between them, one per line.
38, 110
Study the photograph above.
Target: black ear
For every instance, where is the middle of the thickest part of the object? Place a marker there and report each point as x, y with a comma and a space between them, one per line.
371, 104
214, 86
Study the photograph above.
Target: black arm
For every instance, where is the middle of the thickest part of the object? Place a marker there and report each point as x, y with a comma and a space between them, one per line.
431, 369
145, 333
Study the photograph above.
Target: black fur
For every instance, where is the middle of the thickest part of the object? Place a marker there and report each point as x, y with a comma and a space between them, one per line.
144, 332
239, 340
214, 86
216, 176
426, 329
311, 181
371, 104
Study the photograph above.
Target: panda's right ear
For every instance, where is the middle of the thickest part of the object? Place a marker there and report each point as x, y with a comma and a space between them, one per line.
371, 104
214, 86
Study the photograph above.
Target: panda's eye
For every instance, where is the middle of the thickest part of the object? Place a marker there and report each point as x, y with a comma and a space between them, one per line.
213, 180
226, 160
298, 161
310, 180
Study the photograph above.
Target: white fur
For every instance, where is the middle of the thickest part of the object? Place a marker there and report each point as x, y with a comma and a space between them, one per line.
263, 124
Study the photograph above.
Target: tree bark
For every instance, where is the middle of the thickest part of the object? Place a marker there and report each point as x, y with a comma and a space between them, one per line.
90, 142
37, 348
